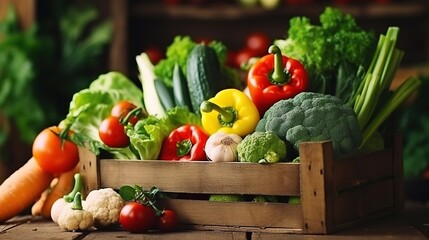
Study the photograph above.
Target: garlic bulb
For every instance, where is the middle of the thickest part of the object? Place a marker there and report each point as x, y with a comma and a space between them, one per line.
222, 147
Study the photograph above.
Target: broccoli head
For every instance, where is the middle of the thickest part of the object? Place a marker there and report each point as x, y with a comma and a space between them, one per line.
313, 116
262, 147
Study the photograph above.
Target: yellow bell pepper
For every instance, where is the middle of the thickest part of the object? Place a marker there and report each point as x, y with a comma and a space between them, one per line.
230, 111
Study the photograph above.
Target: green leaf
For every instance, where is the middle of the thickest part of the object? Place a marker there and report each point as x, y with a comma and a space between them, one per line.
127, 193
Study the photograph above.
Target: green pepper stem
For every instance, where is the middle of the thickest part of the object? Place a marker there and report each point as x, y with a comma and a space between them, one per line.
183, 147
77, 202
78, 185
278, 76
226, 116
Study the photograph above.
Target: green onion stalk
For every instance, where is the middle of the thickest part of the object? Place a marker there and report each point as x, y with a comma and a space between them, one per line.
376, 83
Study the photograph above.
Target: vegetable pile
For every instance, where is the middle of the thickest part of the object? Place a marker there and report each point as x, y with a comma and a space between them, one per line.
328, 82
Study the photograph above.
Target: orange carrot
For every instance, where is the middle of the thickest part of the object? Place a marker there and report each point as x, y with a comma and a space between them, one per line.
36, 209
21, 189
64, 186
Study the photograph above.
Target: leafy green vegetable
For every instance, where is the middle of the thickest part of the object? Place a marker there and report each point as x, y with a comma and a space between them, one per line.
17, 78
57, 57
73, 56
226, 198
148, 134
177, 52
90, 106
413, 124
323, 48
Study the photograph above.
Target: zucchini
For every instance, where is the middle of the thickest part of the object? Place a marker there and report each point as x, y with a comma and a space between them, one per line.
164, 94
203, 75
180, 88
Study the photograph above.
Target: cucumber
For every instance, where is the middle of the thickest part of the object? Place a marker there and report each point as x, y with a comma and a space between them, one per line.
164, 94
180, 88
203, 74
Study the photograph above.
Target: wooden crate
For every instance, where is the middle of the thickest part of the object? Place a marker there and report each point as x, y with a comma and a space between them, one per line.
335, 194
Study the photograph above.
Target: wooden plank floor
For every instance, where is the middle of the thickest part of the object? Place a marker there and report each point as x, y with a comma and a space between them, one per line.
412, 224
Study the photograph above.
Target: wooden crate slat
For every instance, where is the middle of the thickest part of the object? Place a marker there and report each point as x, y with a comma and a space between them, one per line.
357, 170
89, 169
316, 186
237, 214
204, 177
335, 193
364, 201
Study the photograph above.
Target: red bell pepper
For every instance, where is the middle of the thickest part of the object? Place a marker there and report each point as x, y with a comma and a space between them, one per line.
185, 143
275, 77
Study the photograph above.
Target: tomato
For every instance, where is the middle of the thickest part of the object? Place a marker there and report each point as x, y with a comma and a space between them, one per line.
242, 56
112, 133
137, 218
230, 61
53, 154
258, 42
122, 108
155, 54
167, 221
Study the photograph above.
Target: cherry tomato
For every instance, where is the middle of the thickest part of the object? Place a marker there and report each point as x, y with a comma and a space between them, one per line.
155, 54
112, 133
53, 154
122, 108
167, 221
137, 218
258, 42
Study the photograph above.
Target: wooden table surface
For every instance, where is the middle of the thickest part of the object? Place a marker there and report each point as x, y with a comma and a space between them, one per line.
411, 224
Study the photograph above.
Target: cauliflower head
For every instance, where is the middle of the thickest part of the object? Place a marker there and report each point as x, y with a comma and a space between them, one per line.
73, 217
311, 116
105, 204
261, 147
75, 220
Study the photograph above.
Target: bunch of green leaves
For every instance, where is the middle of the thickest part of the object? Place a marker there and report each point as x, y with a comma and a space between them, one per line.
17, 77
78, 41
147, 135
336, 44
91, 105
178, 52
55, 57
